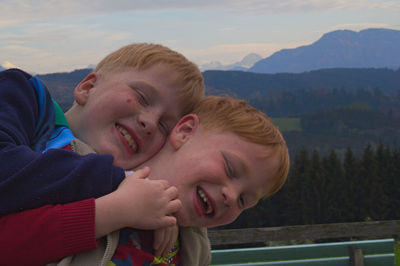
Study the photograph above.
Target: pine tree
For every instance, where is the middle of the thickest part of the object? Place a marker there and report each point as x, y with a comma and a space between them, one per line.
353, 195
382, 182
394, 190
367, 185
313, 208
335, 187
296, 188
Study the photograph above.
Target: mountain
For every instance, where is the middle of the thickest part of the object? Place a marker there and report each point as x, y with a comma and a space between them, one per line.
247, 62
370, 48
243, 65
213, 65
61, 85
2, 68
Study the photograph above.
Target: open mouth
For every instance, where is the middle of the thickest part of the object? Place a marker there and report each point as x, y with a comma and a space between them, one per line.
206, 203
129, 139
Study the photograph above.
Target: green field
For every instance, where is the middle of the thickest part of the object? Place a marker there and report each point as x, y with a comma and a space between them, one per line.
287, 123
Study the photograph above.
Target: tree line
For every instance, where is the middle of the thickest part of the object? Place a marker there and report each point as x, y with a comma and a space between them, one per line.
327, 189
313, 100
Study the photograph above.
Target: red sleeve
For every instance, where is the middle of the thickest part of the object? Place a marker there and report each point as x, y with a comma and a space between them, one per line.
46, 234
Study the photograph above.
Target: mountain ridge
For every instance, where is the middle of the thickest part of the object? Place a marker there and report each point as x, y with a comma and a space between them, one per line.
369, 48
243, 65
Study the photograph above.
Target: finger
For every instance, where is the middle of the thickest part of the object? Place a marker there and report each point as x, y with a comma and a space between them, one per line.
172, 192
167, 221
159, 236
169, 240
174, 206
165, 184
163, 244
173, 237
140, 174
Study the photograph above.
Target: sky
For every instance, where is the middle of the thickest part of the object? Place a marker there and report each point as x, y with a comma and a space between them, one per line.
48, 36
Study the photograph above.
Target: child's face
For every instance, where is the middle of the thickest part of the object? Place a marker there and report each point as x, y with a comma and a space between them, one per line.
128, 114
222, 169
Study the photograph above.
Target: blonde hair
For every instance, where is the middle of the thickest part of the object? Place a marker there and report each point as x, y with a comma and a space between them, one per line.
143, 55
226, 114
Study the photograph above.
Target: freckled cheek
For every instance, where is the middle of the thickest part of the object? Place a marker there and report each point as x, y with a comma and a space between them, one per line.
131, 100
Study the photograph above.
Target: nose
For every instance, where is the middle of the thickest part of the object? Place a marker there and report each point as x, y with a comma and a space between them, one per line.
230, 194
147, 121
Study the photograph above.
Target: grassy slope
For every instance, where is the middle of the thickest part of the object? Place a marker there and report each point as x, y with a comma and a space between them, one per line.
287, 123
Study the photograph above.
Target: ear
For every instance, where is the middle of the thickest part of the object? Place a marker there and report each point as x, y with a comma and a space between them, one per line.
184, 130
81, 91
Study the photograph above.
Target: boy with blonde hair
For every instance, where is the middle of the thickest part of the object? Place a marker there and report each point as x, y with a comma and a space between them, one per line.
124, 110
223, 159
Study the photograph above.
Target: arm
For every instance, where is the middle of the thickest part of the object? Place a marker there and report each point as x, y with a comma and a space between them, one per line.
30, 179
53, 232
39, 236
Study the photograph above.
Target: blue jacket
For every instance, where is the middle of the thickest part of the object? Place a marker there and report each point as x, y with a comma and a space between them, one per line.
30, 178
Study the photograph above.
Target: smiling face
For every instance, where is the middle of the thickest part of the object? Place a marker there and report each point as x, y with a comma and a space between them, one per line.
127, 114
218, 175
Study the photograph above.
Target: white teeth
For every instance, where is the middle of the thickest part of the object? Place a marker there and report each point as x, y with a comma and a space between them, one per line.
204, 198
128, 137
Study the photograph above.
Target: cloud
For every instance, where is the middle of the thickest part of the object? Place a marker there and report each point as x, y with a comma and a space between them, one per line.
19, 11
21, 50
7, 64
227, 29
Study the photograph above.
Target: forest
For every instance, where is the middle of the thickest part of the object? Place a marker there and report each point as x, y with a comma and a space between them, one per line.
326, 119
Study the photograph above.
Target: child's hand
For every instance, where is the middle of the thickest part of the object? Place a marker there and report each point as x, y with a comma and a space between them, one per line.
147, 203
137, 203
164, 239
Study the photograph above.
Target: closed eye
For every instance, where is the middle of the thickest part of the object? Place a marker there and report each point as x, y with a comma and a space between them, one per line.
242, 201
228, 167
141, 98
230, 172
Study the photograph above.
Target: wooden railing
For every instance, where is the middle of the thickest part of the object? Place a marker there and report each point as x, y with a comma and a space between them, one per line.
240, 237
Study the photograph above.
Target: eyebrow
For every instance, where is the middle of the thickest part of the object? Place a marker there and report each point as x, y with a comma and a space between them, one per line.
144, 85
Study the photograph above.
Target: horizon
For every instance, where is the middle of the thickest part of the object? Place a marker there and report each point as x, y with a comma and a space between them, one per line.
35, 38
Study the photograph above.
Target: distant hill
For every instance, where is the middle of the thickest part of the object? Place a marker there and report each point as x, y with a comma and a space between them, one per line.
370, 48
61, 85
247, 84
247, 62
